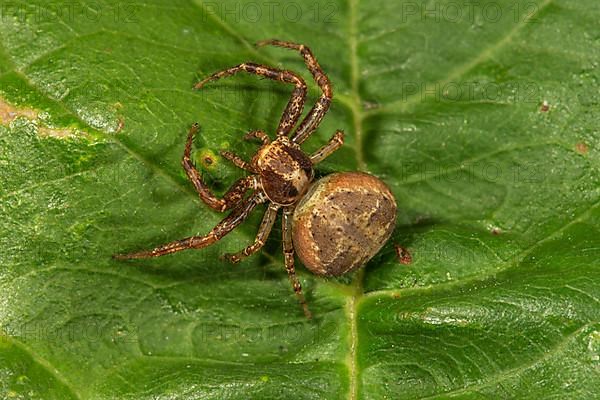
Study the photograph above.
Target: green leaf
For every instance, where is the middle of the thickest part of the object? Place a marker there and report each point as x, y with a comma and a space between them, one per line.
482, 117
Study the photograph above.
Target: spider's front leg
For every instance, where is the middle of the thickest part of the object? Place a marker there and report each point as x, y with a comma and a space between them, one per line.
318, 111
237, 216
288, 253
260, 135
295, 105
237, 160
233, 196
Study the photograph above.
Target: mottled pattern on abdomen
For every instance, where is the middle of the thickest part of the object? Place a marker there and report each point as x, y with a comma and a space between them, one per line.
342, 222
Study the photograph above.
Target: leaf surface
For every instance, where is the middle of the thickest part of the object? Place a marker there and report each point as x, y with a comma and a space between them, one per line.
482, 118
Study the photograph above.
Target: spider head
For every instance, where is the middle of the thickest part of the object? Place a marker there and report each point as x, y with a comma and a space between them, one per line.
285, 171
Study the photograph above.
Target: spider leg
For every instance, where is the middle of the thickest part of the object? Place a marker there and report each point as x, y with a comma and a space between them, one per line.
237, 161
294, 107
336, 141
263, 233
233, 195
236, 192
237, 216
261, 135
317, 112
288, 252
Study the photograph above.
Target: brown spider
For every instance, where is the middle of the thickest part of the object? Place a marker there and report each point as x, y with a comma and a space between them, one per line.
336, 224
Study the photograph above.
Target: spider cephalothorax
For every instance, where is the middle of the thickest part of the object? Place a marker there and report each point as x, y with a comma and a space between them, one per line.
285, 171
337, 223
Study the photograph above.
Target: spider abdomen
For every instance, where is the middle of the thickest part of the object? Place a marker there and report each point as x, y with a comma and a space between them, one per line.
342, 222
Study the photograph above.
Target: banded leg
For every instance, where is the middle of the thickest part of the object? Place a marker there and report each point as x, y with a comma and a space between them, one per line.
295, 105
233, 195
236, 192
263, 233
317, 112
237, 216
336, 141
237, 161
288, 253
260, 135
